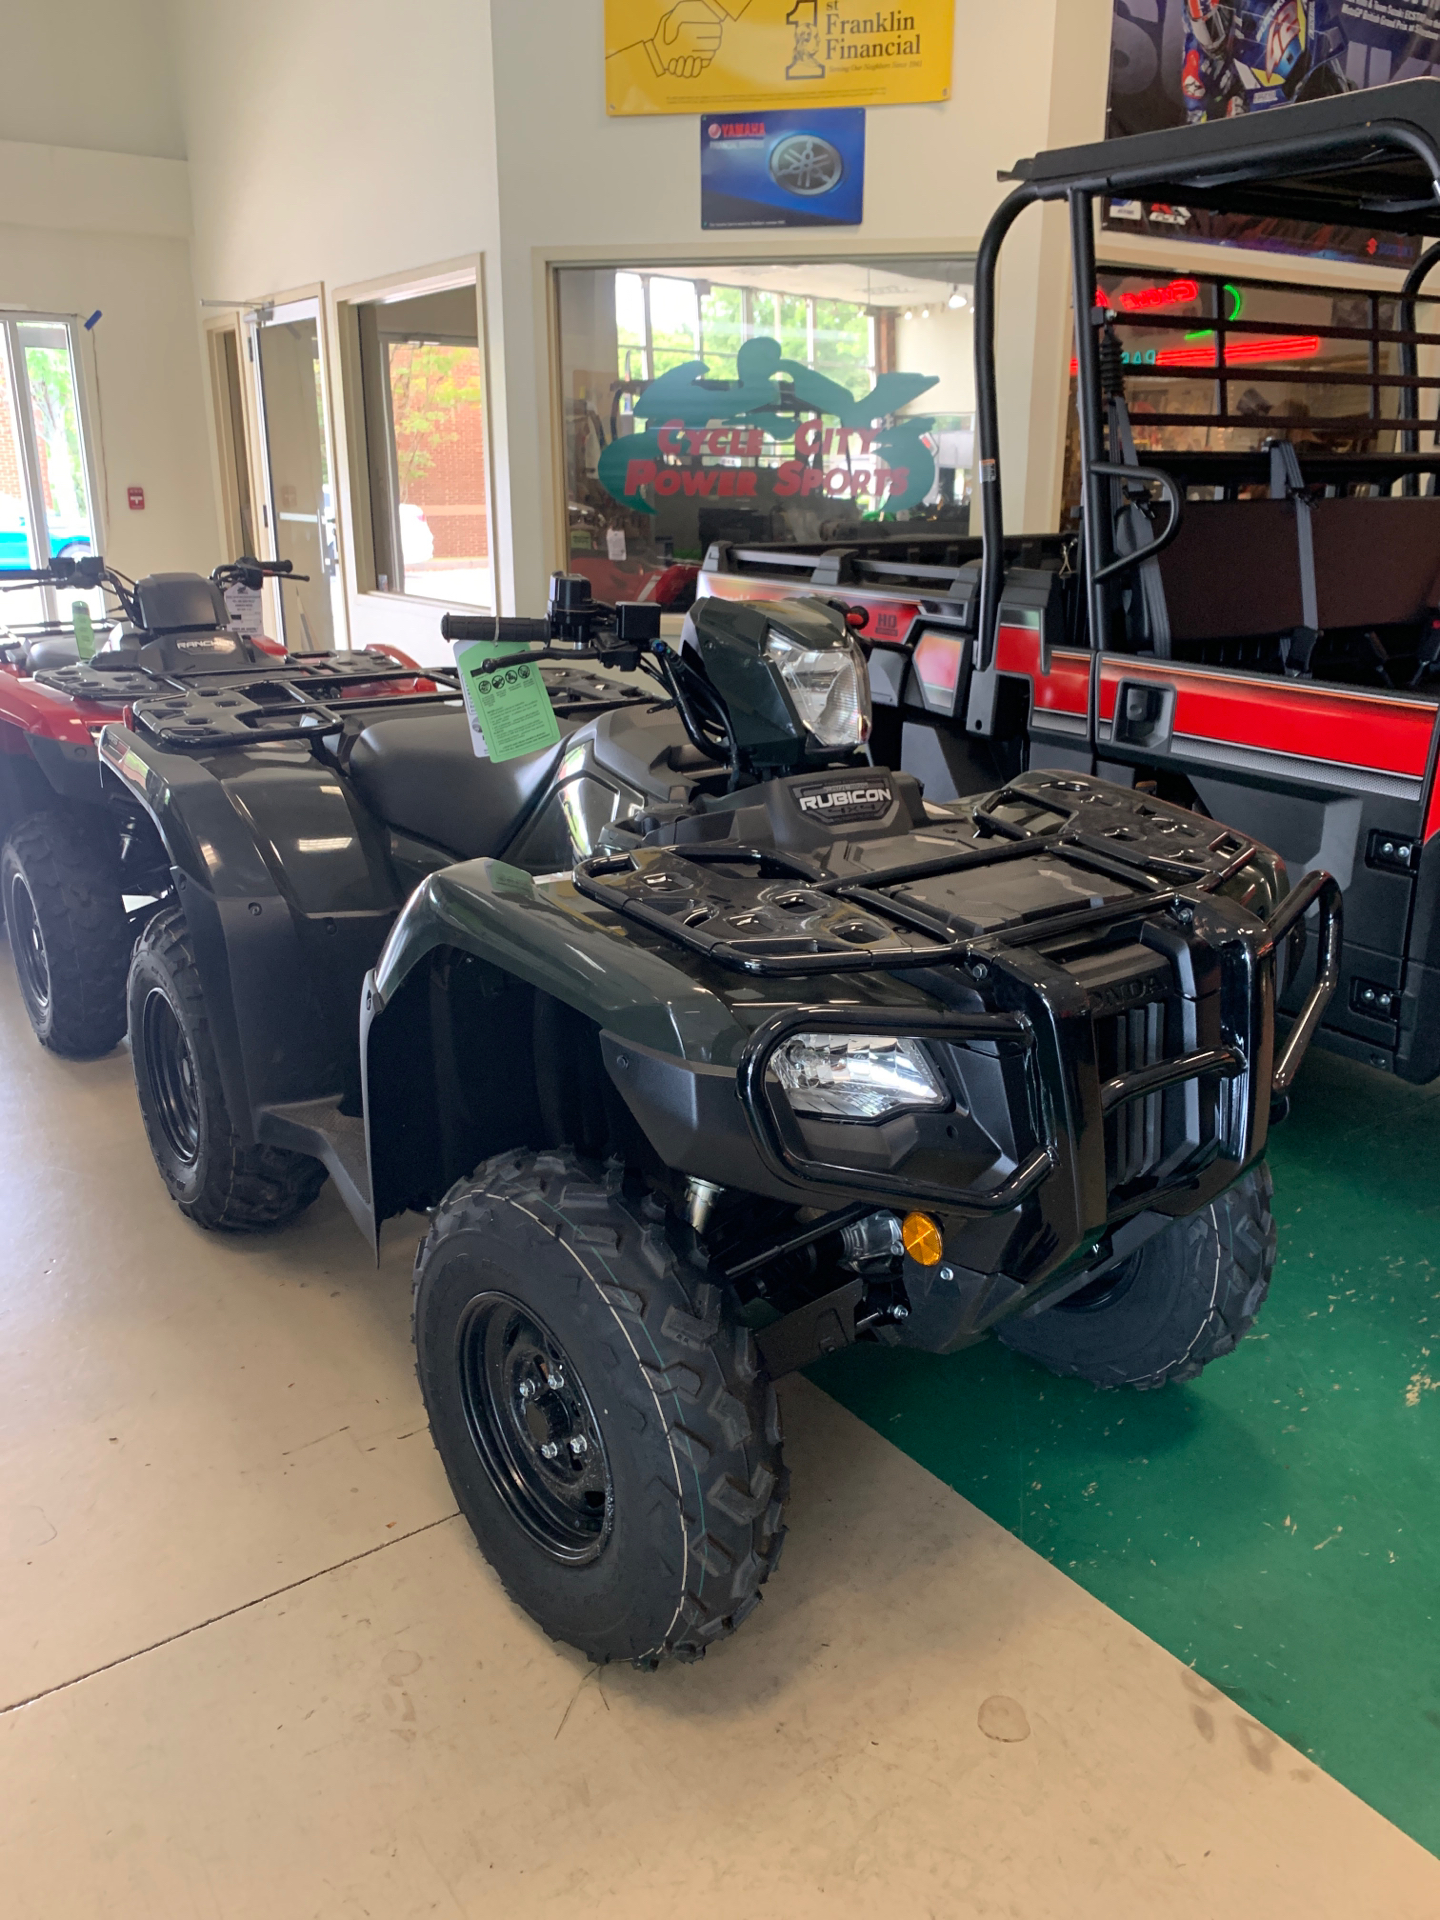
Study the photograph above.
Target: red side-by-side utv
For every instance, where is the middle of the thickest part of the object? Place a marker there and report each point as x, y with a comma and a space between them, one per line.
1264, 606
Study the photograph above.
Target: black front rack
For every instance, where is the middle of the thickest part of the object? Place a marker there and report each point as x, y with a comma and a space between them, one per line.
677, 892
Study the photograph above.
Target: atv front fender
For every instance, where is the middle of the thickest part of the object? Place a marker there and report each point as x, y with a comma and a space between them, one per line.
545, 934
448, 1079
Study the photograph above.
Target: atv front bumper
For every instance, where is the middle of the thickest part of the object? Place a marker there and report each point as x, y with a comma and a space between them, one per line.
1123, 1064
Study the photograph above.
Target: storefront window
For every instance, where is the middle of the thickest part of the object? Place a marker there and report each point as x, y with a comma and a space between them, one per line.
422, 374
759, 403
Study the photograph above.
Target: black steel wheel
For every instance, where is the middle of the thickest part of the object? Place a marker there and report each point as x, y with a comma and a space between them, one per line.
533, 1426
1178, 1302
602, 1417
27, 942
213, 1176
69, 935
174, 1077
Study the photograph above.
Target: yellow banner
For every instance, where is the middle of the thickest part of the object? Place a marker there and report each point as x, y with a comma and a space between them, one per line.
723, 56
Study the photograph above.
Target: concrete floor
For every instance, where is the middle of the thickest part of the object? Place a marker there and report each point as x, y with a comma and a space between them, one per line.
251, 1663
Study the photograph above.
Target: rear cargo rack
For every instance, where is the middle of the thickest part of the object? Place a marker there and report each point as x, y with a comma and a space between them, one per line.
261, 707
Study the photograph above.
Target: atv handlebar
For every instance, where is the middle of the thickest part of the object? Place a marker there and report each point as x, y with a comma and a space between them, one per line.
87, 572
498, 631
247, 571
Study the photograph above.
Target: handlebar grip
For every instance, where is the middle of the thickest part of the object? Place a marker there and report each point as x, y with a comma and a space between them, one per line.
492, 629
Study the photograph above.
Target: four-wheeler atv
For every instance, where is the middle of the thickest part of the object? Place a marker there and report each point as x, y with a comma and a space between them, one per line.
710, 1047
1272, 656
68, 866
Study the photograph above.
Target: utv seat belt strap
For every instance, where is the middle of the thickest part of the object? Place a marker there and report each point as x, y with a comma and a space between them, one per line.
1133, 530
1287, 482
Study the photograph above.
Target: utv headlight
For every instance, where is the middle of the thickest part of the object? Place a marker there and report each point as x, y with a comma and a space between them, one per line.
857, 1076
829, 687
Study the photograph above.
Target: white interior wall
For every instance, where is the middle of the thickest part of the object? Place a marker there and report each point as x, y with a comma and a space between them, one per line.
87, 230
360, 149
943, 345
96, 210
92, 74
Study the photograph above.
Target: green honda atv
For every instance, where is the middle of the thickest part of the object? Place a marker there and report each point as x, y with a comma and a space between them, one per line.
708, 1047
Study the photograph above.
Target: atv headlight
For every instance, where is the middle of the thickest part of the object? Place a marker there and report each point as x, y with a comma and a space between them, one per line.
857, 1076
829, 686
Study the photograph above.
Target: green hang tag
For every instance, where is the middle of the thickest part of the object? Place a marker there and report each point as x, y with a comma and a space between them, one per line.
84, 629
510, 711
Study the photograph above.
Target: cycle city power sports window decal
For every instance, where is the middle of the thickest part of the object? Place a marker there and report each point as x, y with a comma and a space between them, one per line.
800, 168
876, 455
510, 709
750, 56
1173, 61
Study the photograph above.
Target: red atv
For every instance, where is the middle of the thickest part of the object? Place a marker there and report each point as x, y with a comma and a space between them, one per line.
77, 882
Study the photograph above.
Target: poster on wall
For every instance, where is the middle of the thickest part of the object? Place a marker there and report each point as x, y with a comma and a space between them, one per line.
1179, 61
739, 56
801, 168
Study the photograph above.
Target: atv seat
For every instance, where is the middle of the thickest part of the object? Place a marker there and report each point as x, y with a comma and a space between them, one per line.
419, 773
54, 650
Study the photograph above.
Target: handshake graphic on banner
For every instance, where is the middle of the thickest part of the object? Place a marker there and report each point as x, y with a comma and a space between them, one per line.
687, 38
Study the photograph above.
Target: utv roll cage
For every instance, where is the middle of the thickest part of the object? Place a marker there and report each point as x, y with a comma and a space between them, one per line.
1370, 159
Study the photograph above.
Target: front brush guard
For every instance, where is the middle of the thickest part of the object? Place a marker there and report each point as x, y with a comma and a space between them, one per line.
1322, 888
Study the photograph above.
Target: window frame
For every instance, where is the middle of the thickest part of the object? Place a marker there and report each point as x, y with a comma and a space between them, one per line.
802, 246
82, 361
358, 458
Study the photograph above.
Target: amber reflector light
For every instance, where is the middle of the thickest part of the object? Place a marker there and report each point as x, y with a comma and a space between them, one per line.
922, 1239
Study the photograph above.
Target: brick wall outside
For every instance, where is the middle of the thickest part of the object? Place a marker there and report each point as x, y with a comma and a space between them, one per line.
451, 489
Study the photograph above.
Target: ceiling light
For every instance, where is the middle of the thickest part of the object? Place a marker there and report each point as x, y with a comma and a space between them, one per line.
925, 313
908, 314
956, 300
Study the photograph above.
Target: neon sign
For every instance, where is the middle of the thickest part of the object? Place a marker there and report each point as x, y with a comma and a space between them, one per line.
1179, 293
1238, 353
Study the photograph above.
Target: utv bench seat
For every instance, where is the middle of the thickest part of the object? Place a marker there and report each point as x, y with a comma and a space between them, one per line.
419, 773
1233, 586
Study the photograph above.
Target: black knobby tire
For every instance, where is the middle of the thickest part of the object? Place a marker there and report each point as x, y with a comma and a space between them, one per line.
658, 1538
1180, 1301
69, 936
215, 1179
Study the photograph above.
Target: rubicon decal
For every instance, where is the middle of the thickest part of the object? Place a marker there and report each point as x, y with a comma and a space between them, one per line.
852, 802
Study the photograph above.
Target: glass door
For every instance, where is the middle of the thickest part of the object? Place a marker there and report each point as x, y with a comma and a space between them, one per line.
228, 394
47, 492
299, 486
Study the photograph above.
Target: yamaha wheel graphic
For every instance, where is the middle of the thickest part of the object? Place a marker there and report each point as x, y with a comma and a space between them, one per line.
803, 163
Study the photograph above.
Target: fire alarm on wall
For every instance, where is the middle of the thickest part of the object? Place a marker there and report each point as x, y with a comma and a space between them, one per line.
136, 497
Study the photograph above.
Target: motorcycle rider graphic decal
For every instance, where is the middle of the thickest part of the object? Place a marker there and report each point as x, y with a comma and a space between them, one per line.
1242, 59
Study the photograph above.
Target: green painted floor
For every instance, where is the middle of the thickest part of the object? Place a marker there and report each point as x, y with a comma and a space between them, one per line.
1273, 1523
